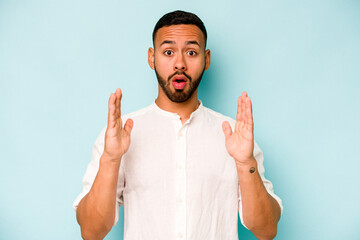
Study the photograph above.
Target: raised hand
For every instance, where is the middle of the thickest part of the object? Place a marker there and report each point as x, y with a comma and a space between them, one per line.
240, 143
117, 137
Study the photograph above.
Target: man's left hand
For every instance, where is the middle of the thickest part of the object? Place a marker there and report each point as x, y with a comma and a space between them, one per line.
240, 143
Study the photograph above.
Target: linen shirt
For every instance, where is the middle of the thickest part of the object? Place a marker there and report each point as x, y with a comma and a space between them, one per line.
177, 181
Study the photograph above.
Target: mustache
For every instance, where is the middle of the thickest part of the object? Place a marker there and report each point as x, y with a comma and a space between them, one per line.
179, 73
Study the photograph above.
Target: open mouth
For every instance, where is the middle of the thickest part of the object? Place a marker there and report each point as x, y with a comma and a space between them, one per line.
179, 83
179, 80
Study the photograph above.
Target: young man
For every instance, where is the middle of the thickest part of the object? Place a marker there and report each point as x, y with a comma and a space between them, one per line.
177, 166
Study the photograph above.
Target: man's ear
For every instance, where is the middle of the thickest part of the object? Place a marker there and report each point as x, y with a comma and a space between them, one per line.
207, 59
151, 58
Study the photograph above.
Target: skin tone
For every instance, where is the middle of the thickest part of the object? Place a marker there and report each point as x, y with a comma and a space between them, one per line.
178, 49
96, 211
261, 212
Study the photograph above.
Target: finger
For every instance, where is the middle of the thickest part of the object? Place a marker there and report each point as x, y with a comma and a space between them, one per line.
238, 113
242, 106
118, 102
111, 111
248, 114
243, 100
226, 129
128, 126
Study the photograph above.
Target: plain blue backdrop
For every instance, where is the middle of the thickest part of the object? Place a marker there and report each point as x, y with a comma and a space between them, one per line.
298, 60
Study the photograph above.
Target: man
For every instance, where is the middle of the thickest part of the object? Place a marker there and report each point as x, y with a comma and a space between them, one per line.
177, 166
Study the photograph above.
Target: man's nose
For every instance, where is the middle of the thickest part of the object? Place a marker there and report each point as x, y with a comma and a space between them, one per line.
180, 63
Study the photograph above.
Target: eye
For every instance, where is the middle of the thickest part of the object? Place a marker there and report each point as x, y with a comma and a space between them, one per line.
168, 52
191, 53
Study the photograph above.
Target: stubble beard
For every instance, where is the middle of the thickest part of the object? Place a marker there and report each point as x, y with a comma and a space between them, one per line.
180, 95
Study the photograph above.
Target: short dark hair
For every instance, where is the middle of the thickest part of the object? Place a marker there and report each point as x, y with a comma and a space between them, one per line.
179, 17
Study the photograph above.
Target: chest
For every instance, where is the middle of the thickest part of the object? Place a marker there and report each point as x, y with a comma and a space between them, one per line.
155, 159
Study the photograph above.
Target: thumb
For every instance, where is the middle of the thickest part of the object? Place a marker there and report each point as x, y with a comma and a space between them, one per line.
128, 126
226, 129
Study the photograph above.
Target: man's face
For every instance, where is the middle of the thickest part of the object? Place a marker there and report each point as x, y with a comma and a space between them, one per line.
179, 60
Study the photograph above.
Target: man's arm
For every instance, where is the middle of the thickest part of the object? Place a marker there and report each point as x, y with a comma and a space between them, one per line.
261, 212
96, 211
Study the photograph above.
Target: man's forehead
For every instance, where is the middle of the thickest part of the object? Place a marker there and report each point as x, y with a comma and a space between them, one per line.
181, 32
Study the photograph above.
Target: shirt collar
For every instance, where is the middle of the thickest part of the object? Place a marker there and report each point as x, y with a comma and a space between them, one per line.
175, 115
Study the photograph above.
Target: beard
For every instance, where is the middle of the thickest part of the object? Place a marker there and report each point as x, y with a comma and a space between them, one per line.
180, 95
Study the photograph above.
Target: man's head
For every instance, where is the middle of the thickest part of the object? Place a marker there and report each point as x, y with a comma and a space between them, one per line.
179, 17
179, 57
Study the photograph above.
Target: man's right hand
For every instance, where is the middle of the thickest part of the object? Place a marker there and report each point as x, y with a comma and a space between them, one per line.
96, 211
117, 137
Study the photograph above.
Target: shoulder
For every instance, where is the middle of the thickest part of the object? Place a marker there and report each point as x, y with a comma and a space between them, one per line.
133, 115
218, 117
139, 113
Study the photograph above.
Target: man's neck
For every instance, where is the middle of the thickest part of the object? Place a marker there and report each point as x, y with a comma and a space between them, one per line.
183, 109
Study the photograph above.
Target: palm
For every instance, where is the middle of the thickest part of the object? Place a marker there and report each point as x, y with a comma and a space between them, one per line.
117, 137
240, 143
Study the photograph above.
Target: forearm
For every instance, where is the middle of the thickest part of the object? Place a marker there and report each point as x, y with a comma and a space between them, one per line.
96, 211
261, 212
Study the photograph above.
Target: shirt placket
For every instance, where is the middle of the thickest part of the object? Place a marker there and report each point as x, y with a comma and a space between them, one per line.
180, 176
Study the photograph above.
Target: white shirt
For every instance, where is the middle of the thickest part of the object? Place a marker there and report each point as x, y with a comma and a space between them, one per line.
177, 181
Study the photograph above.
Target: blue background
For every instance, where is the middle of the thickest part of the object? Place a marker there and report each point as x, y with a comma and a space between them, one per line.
298, 60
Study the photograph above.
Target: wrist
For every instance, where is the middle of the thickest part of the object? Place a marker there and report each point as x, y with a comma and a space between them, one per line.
109, 162
109, 158
246, 164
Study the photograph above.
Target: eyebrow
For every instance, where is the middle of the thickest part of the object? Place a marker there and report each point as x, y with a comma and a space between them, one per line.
192, 42
186, 43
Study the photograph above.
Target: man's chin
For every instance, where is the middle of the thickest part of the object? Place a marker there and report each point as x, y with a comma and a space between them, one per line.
180, 96
179, 90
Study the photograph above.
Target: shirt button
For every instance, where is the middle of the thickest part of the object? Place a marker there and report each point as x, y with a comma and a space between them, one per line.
180, 235
180, 167
180, 134
179, 200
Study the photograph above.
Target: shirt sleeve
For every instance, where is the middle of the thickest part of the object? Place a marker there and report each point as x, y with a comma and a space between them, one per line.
91, 172
258, 154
